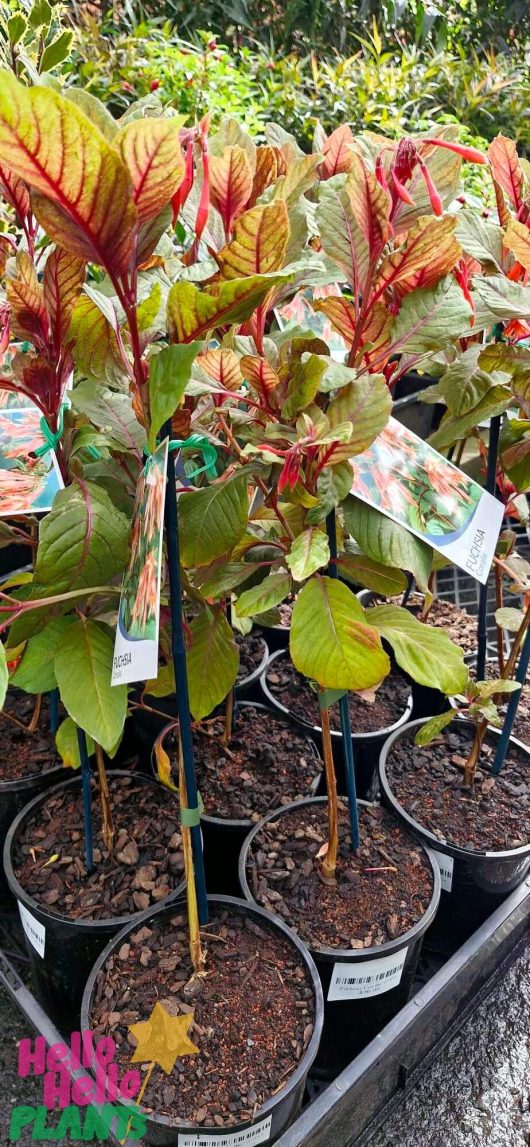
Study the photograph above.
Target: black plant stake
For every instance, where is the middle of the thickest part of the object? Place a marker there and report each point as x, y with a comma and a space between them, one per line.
482, 629
178, 650
513, 704
345, 723
87, 800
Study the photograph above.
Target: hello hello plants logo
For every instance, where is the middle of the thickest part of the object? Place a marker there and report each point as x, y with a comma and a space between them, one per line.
91, 1108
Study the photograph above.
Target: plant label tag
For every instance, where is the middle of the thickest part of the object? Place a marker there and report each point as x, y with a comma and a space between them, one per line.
406, 480
34, 930
28, 481
446, 865
369, 978
258, 1133
136, 644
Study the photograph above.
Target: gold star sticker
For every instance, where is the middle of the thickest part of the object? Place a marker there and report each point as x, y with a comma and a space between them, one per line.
162, 1039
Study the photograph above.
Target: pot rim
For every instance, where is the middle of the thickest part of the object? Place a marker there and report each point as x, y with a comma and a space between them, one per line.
317, 729
352, 955
308, 1055
445, 846
29, 901
28, 781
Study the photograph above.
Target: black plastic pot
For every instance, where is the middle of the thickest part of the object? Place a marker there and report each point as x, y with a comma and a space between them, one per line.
62, 951
223, 838
412, 383
422, 418
276, 636
350, 1024
14, 796
473, 883
366, 746
14, 558
248, 689
280, 1110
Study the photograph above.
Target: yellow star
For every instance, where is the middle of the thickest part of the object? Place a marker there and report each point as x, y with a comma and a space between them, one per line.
162, 1038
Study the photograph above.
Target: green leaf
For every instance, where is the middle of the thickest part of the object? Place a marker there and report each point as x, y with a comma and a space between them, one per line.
4, 676
372, 575
273, 590
304, 383
169, 374
509, 619
56, 51
111, 411
387, 542
515, 451
497, 298
331, 641
164, 684
192, 311
94, 110
480, 238
68, 745
309, 553
212, 660
486, 689
95, 346
454, 428
333, 485
83, 668
464, 384
221, 580
35, 672
212, 520
426, 653
40, 15
427, 732
83, 541
367, 404
16, 26
430, 319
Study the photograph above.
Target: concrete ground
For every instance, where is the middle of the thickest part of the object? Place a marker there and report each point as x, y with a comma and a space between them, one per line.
476, 1094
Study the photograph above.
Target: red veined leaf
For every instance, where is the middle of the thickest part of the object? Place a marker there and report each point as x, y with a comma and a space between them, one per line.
259, 243
6, 250
63, 280
376, 338
15, 192
222, 366
266, 172
429, 252
260, 374
95, 346
82, 193
341, 314
191, 312
230, 184
337, 152
353, 218
507, 170
517, 239
25, 296
150, 149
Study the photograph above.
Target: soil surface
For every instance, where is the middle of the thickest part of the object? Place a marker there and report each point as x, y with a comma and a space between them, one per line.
294, 691
381, 890
267, 763
429, 783
144, 866
252, 650
253, 1014
459, 625
25, 754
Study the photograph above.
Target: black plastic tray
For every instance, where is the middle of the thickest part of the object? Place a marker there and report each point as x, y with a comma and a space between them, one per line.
347, 1111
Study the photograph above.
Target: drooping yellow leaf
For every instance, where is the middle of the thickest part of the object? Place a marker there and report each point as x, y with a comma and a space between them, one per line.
231, 181
517, 239
82, 193
150, 149
63, 280
259, 243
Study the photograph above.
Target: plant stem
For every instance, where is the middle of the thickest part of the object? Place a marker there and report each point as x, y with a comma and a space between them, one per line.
196, 952
482, 629
471, 763
345, 722
509, 667
229, 718
178, 650
87, 801
106, 811
34, 723
329, 862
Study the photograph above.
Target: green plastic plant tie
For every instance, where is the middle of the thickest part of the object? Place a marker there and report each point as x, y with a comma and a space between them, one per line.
50, 439
327, 697
190, 817
197, 442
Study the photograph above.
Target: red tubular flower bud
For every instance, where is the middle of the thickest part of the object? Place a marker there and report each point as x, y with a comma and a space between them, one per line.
436, 202
472, 154
181, 195
204, 201
401, 191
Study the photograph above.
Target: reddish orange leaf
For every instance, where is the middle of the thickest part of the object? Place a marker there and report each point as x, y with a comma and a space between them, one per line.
81, 190
29, 318
260, 374
376, 337
337, 152
230, 184
15, 192
507, 170
266, 172
222, 366
429, 252
63, 279
150, 149
341, 314
517, 239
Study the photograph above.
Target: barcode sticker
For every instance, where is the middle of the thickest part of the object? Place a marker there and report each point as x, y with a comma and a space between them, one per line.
446, 865
258, 1133
368, 978
35, 931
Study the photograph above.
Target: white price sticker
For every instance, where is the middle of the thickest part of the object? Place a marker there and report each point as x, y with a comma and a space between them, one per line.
258, 1133
369, 978
446, 865
35, 931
